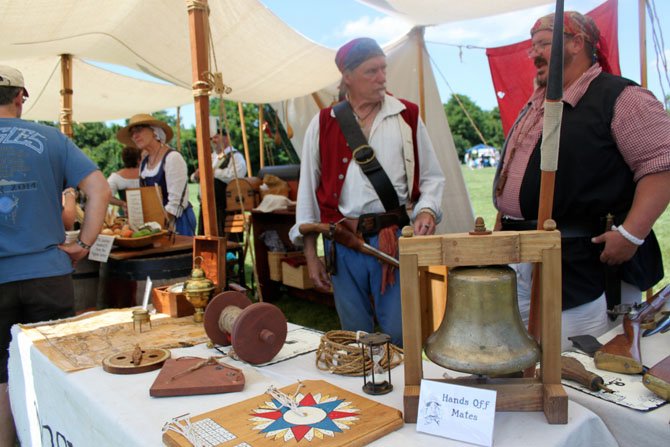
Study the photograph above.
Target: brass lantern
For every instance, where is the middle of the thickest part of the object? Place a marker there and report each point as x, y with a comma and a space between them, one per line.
198, 290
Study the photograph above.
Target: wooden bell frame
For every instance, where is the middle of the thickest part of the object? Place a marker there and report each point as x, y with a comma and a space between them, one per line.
418, 254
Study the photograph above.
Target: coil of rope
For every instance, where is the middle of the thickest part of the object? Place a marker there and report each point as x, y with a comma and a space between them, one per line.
340, 353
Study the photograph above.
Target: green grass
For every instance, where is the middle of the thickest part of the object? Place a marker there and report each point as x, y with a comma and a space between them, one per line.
478, 182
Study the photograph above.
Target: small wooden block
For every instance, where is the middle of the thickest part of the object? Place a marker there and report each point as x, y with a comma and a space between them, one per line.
175, 379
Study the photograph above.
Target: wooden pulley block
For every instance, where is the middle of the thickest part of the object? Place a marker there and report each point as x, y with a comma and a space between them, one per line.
136, 361
256, 331
243, 192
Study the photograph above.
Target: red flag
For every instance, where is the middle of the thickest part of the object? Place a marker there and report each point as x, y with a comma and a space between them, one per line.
513, 71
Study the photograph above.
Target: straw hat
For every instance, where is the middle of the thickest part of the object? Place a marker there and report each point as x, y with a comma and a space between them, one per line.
123, 135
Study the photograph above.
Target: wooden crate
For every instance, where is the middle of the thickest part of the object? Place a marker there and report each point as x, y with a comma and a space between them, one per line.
173, 304
275, 262
297, 277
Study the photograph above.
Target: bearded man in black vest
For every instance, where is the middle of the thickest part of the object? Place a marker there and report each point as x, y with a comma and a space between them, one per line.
612, 182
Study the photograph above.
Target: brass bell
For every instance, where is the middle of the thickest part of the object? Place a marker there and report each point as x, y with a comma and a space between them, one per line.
197, 289
482, 331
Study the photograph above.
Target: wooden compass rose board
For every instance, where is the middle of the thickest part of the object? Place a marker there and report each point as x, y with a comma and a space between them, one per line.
332, 417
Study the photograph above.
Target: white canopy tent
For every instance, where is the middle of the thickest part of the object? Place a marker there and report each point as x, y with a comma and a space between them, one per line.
261, 58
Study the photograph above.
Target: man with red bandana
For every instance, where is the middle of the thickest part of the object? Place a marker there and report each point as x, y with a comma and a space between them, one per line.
614, 159
334, 189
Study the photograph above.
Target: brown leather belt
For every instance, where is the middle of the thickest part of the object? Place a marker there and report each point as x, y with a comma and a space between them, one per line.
370, 224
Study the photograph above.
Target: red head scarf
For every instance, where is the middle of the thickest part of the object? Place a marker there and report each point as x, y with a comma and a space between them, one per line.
575, 23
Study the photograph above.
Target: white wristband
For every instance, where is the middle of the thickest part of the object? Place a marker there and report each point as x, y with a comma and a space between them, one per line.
629, 237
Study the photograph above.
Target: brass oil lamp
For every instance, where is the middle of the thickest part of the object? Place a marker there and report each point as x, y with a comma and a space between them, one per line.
198, 290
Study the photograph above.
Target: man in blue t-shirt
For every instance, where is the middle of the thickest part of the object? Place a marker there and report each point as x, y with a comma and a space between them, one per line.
37, 163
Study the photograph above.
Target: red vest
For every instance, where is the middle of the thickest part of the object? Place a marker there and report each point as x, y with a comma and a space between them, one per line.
336, 156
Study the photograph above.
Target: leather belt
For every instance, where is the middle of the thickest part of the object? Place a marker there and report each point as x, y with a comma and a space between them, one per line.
370, 224
568, 228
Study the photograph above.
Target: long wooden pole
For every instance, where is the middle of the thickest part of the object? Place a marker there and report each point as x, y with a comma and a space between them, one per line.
261, 140
642, 20
422, 91
178, 133
553, 109
66, 94
240, 110
198, 30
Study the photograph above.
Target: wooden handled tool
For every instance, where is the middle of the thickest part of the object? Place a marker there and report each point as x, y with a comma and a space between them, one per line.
572, 369
657, 379
342, 235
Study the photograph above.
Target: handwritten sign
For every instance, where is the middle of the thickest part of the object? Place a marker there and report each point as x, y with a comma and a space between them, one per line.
101, 248
457, 412
135, 213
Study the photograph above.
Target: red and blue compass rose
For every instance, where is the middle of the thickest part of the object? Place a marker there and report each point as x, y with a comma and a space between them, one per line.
321, 416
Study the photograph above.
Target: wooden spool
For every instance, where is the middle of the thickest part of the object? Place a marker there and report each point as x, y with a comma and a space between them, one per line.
257, 331
122, 362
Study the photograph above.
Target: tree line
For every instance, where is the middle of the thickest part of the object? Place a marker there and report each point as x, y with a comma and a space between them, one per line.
98, 140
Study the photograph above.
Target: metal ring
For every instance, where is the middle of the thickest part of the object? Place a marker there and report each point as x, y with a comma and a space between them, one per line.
359, 148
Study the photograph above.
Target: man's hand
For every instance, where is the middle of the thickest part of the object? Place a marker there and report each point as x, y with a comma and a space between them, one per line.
318, 274
424, 224
617, 248
74, 251
315, 268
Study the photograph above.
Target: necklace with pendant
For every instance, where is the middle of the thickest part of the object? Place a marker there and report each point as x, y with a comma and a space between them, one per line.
362, 119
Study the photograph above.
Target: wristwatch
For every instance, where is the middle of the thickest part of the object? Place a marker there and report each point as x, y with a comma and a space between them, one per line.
83, 244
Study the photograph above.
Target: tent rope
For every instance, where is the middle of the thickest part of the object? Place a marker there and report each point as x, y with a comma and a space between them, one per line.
659, 44
460, 104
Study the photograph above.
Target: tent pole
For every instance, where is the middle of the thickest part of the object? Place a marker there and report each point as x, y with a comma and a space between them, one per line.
198, 30
418, 31
240, 110
317, 100
66, 94
261, 142
178, 124
642, 20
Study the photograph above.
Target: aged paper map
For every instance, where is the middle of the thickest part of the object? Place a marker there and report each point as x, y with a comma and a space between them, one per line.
84, 341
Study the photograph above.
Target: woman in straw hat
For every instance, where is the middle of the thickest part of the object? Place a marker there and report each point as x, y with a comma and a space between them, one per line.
162, 166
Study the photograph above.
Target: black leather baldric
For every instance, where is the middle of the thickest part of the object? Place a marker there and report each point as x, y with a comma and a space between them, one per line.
365, 157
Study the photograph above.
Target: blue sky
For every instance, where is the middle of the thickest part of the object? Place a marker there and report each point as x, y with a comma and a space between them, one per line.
458, 68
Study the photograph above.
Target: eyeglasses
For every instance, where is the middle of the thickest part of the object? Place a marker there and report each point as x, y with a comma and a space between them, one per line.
539, 47
24, 99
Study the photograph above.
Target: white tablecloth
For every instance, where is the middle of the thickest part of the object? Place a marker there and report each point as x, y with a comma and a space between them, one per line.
94, 408
633, 428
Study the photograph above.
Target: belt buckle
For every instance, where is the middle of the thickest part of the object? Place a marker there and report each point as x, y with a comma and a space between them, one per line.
364, 150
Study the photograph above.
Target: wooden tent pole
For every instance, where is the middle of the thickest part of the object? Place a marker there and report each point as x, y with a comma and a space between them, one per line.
317, 100
240, 110
642, 20
418, 31
198, 26
261, 140
178, 124
66, 94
